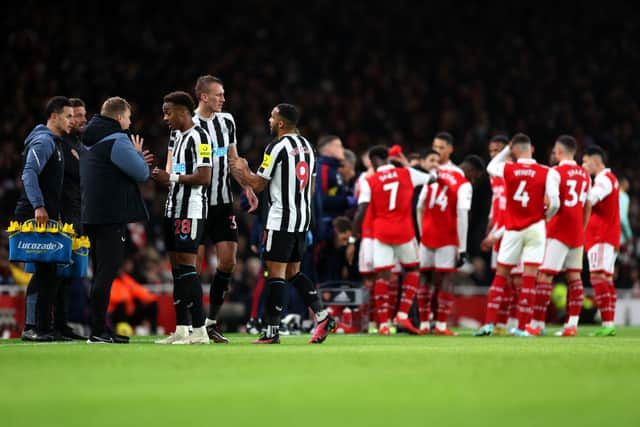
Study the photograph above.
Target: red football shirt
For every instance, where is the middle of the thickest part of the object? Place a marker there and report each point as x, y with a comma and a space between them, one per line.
389, 193
604, 222
367, 221
498, 201
441, 201
567, 224
525, 183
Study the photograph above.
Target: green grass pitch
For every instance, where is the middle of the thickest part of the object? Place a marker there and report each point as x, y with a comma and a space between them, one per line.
397, 381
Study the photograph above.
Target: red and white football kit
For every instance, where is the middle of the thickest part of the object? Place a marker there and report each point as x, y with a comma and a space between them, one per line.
445, 205
389, 193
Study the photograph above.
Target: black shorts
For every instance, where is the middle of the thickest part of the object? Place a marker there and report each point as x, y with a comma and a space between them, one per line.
282, 246
183, 234
221, 224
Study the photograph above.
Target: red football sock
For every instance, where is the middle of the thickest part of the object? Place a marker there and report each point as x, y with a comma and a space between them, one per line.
257, 291
394, 290
424, 303
575, 297
613, 296
382, 301
503, 311
542, 299
603, 298
513, 304
409, 289
526, 300
496, 293
445, 304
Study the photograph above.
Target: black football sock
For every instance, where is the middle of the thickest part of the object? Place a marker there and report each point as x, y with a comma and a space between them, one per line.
307, 291
191, 281
275, 294
219, 288
180, 298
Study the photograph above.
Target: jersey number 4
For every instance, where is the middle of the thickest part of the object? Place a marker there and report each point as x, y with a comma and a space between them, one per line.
521, 194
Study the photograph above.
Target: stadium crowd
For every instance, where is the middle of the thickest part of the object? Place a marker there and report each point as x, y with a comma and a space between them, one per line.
403, 78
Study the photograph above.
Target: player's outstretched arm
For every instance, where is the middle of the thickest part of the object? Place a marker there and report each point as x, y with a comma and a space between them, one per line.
359, 217
496, 165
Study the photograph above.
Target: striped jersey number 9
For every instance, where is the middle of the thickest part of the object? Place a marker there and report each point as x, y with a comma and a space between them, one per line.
521, 195
438, 197
575, 198
393, 188
302, 173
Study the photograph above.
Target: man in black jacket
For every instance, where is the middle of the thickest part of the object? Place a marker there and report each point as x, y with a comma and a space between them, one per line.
42, 177
110, 170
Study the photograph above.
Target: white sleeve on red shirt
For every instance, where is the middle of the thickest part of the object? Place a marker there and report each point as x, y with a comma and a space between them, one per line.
463, 228
365, 192
602, 187
465, 193
496, 165
419, 178
422, 196
552, 190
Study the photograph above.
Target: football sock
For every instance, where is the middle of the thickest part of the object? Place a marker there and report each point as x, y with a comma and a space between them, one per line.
381, 289
542, 298
307, 291
526, 300
219, 288
424, 305
190, 280
180, 299
503, 310
496, 293
275, 297
575, 299
603, 299
613, 299
393, 286
409, 289
445, 304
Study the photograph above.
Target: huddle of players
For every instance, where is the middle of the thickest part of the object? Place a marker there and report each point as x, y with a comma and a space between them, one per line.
202, 157
540, 220
384, 221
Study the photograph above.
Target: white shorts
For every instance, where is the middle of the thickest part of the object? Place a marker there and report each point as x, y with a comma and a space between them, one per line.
365, 256
560, 257
385, 256
494, 259
439, 259
602, 258
526, 245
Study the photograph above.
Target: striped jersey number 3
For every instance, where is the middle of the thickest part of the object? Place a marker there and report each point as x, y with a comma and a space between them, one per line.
302, 173
393, 188
521, 194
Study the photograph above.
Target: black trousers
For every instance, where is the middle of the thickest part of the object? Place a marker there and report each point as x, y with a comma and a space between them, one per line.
107, 256
41, 295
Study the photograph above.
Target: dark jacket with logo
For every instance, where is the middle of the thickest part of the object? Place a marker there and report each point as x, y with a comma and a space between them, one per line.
42, 174
110, 170
71, 149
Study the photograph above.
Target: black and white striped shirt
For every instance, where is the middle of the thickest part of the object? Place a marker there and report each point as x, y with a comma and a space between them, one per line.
222, 130
289, 164
191, 149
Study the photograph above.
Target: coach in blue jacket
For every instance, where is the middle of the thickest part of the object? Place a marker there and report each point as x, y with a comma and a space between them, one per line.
42, 177
111, 168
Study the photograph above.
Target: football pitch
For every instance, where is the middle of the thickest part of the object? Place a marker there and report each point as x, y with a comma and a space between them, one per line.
397, 381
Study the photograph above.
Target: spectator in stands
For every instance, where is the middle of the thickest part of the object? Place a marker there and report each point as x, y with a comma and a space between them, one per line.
331, 193
330, 254
131, 303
